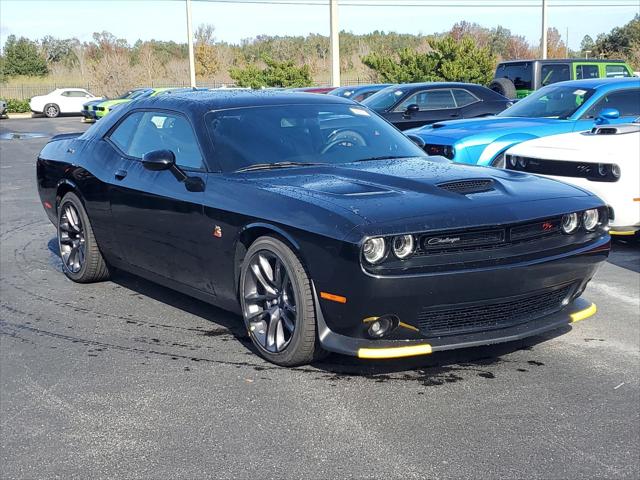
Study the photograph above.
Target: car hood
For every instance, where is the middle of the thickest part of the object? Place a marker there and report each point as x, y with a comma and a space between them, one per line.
488, 127
406, 193
582, 147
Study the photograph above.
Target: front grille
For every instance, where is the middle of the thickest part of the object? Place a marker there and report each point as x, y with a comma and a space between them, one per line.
487, 239
595, 172
466, 187
500, 313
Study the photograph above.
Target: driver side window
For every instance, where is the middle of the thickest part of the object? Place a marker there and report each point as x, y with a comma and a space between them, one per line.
627, 102
429, 100
143, 132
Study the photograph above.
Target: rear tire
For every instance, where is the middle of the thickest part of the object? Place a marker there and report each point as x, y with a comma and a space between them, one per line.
504, 87
277, 304
51, 110
82, 261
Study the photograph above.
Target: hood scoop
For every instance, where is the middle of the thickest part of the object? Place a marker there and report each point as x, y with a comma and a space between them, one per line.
466, 187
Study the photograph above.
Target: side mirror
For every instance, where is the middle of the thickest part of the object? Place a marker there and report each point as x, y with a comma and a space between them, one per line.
411, 109
159, 160
607, 114
416, 139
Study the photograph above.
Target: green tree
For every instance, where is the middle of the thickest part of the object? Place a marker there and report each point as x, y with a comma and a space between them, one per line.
621, 42
275, 74
449, 60
587, 44
21, 57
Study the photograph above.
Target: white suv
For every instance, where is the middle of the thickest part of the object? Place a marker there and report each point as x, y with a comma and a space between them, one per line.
61, 100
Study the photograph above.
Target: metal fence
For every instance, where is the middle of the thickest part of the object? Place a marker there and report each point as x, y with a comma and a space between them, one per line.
25, 92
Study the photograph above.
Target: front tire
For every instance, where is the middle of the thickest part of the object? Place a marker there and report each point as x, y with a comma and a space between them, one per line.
51, 110
82, 261
277, 304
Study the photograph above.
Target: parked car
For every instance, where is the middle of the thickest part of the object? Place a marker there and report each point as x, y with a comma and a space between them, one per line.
3, 107
415, 104
605, 161
61, 100
519, 78
107, 107
320, 90
358, 93
89, 109
325, 227
559, 108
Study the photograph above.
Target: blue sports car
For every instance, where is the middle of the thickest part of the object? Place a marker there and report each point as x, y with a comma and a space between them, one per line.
559, 108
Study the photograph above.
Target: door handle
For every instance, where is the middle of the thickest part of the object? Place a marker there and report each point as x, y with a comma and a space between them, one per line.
120, 174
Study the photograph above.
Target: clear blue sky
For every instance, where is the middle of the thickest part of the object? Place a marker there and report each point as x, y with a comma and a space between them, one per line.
165, 19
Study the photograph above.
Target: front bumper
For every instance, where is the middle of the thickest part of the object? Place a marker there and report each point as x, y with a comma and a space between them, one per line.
578, 310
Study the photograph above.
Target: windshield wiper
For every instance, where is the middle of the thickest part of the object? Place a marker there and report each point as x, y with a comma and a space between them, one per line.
271, 166
384, 157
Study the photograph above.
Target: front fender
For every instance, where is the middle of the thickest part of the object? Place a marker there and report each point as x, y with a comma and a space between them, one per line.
500, 145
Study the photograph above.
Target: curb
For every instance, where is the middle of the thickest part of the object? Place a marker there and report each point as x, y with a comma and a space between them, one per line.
19, 115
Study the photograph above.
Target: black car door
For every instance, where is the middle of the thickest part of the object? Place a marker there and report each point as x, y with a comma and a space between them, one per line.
433, 105
158, 223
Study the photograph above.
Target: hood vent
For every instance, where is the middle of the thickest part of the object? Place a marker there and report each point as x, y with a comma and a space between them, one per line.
466, 187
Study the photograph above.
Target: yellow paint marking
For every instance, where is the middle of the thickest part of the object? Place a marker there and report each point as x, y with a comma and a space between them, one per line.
410, 327
582, 314
394, 352
622, 232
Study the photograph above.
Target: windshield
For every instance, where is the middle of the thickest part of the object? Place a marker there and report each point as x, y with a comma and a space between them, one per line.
384, 99
330, 133
554, 101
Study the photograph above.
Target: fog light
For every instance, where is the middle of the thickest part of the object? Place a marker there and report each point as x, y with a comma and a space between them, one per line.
570, 223
382, 326
590, 219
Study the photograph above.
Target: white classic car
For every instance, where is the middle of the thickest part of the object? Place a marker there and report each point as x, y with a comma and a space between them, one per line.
604, 160
61, 100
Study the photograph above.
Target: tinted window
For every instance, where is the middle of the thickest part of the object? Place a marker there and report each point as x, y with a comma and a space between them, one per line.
617, 71
429, 100
554, 73
555, 101
463, 97
587, 71
627, 102
330, 133
518, 73
75, 93
158, 131
122, 135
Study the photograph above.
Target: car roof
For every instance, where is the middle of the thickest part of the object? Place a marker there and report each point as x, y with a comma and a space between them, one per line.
601, 82
205, 100
564, 60
436, 85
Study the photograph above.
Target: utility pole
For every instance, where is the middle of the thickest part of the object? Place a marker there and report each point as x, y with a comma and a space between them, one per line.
335, 43
192, 62
543, 45
566, 50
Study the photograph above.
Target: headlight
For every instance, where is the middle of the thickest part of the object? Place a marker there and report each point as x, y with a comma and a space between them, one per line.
590, 219
615, 170
513, 160
522, 162
570, 223
602, 169
374, 250
403, 246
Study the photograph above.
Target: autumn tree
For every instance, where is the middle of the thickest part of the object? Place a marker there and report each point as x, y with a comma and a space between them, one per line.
206, 57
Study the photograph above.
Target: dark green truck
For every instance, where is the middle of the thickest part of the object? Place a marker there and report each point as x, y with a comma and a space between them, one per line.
518, 78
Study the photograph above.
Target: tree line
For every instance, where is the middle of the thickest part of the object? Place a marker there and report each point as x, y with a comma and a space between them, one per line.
468, 52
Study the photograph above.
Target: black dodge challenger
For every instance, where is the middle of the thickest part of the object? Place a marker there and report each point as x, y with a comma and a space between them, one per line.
322, 224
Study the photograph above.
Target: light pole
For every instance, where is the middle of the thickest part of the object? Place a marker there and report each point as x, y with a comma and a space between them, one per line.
335, 43
544, 29
192, 62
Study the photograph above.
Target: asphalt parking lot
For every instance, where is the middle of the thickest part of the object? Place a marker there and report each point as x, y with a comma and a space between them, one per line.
126, 379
